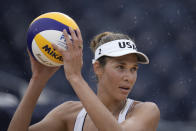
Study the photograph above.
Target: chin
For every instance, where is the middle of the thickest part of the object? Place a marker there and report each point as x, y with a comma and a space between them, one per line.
121, 97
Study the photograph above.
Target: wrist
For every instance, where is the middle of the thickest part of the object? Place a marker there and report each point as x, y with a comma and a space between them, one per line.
39, 78
74, 78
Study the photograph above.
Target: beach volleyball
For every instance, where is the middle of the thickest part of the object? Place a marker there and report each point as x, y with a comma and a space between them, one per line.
45, 30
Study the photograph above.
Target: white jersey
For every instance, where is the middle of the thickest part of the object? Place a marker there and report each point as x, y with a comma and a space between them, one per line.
82, 115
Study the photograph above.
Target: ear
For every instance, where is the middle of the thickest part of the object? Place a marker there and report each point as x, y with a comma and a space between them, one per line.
98, 69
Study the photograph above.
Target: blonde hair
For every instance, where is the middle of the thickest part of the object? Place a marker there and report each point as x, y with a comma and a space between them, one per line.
105, 37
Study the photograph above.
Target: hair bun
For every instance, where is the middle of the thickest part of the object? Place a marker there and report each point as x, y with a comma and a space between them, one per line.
98, 39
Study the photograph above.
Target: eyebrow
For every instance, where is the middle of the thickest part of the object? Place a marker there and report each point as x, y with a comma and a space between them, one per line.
123, 63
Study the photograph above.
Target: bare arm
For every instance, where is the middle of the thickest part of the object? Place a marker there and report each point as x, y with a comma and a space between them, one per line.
59, 118
23, 114
100, 115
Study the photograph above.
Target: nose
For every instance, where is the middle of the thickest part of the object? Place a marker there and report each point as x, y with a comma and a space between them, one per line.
129, 77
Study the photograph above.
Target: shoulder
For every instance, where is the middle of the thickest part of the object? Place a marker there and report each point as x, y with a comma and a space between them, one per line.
67, 111
69, 108
145, 111
142, 116
150, 106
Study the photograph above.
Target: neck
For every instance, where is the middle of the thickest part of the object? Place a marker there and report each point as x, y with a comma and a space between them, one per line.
113, 105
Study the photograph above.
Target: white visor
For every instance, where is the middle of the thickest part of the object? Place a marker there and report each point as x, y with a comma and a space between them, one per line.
118, 48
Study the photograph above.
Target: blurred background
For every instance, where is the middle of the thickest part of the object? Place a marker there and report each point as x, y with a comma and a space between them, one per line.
164, 29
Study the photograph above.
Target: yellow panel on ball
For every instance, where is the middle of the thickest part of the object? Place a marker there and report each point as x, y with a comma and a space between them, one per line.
60, 17
46, 48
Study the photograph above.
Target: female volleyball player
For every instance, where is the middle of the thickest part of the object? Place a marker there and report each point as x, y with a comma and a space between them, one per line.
115, 65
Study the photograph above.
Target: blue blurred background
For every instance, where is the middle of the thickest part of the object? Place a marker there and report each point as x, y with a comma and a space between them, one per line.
164, 29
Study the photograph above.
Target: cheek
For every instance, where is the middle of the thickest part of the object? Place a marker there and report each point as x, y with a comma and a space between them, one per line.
113, 76
135, 77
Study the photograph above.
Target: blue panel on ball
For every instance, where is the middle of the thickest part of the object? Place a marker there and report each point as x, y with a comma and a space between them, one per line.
40, 25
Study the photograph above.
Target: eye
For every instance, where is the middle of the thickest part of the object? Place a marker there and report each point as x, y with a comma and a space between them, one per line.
133, 69
120, 67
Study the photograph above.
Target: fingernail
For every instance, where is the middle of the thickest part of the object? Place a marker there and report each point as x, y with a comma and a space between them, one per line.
70, 28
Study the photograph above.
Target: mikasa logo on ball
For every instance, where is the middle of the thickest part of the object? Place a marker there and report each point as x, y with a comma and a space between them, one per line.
52, 53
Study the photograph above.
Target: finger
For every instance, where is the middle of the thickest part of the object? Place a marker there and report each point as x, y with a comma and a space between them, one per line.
58, 48
67, 39
79, 33
33, 60
73, 34
31, 57
80, 43
28, 52
66, 35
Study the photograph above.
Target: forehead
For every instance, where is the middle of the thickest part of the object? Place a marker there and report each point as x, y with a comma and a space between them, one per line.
126, 59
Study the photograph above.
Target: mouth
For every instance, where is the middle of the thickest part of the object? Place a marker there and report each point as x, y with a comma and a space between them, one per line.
124, 89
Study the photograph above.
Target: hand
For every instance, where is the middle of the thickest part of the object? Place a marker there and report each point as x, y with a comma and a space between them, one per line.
39, 70
72, 56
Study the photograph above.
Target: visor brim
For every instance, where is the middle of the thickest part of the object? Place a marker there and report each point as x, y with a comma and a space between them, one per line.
142, 58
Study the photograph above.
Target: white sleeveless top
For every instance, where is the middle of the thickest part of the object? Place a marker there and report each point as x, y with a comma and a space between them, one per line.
82, 115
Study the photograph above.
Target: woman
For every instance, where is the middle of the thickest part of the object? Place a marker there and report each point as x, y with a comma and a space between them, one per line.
115, 65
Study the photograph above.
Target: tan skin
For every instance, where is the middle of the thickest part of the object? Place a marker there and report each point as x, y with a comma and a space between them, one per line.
103, 109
